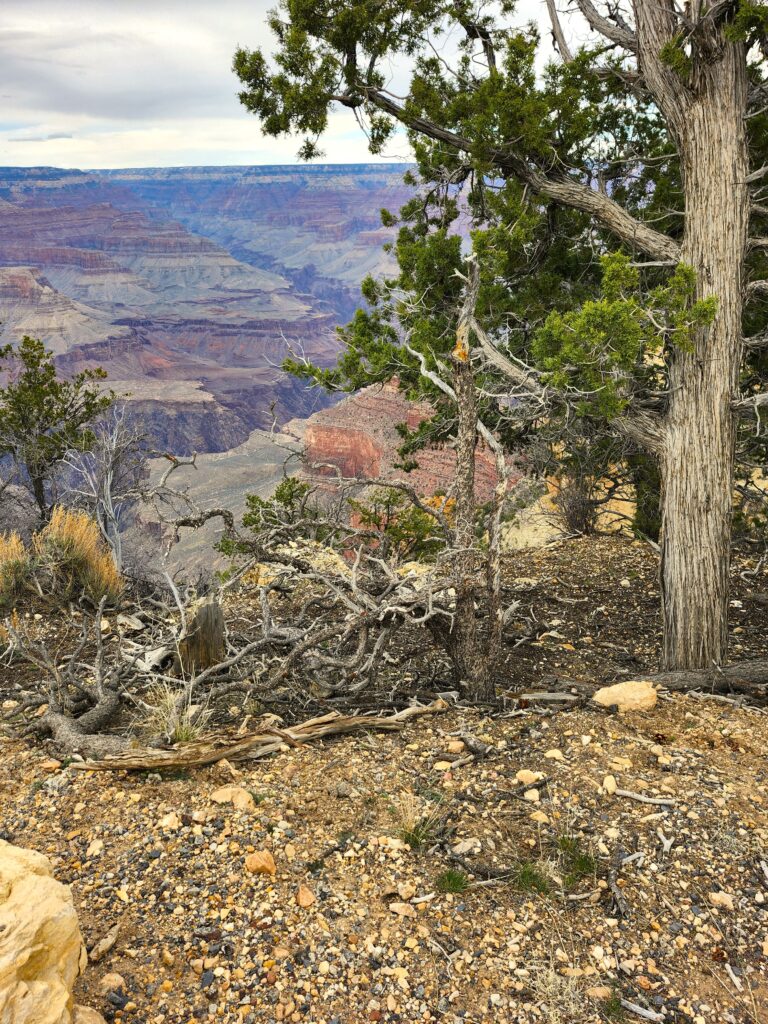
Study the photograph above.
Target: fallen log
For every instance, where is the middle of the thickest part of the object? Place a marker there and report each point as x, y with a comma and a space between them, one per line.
747, 677
252, 745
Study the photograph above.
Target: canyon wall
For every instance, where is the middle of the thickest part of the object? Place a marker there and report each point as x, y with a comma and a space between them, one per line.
205, 278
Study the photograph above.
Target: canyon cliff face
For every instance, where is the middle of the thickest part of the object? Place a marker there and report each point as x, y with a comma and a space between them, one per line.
358, 438
191, 285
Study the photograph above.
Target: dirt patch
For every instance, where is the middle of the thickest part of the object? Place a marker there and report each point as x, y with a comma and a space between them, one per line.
588, 908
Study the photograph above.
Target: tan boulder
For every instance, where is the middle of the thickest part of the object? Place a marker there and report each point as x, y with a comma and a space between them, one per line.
261, 862
238, 796
87, 1015
41, 948
637, 695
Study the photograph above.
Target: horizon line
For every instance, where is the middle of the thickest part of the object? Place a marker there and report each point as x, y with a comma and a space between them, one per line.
382, 165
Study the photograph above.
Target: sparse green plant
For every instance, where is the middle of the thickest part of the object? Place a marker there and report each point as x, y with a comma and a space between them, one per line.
529, 877
452, 880
578, 862
611, 1008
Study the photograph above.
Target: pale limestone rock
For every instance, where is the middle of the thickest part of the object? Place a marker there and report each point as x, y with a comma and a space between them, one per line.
261, 862
609, 784
637, 695
239, 797
86, 1015
112, 982
41, 949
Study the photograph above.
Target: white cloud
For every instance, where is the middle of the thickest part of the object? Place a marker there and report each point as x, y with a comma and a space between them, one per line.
131, 83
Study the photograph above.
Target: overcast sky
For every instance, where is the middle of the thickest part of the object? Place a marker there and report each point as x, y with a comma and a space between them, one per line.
138, 83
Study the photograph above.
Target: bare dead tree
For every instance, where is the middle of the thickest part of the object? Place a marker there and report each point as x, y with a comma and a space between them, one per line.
106, 479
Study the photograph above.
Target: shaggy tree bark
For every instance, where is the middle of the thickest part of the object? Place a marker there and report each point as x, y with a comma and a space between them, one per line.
707, 119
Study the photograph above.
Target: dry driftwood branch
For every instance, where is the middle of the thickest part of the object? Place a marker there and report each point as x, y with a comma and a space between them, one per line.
743, 677
253, 745
657, 800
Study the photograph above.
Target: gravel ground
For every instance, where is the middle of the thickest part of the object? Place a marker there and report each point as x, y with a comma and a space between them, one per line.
569, 897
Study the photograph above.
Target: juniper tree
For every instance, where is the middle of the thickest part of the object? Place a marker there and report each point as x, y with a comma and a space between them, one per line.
650, 139
44, 416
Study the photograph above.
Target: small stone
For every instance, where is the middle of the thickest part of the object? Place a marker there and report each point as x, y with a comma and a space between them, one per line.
554, 755
112, 982
721, 899
170, 821
465, 846
51, 765
443, 766
456, 747
532, 796
168, 957
95, 848
609, 784
540, 818
527, 778
599, 992
87, 1015
240, 798
636, 695
260, 863
402, 909
305, 897
625, 584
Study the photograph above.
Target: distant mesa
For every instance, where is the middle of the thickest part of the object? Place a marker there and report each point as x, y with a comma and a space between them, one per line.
202, 276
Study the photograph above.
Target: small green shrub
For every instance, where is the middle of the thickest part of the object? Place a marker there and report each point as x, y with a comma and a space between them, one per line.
612, 1009
578, 862
528, 877
419, 828
452, 881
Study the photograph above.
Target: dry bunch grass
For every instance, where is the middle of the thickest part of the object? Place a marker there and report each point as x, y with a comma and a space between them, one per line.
70, 549
15, 566
171, 714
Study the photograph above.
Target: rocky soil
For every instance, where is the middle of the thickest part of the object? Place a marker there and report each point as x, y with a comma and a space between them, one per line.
319, 893
580, 866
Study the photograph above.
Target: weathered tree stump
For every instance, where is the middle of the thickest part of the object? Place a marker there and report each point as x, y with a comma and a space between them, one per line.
204, 644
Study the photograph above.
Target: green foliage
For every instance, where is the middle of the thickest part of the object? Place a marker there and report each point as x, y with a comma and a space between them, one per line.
528, 877
292, 512
749, 23
407, 532
452, 881
578, 862
674, 54
43, 416
612, 1009
473, 124
601, 348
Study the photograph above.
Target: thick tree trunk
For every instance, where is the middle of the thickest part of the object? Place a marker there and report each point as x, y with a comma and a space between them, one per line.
697, 456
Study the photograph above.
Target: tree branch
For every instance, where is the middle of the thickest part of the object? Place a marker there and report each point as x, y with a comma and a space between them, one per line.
757, 288
557, 33
616, 30
757, 340
606, 211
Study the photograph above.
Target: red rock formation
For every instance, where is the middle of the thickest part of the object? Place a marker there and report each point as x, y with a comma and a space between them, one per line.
359, 438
